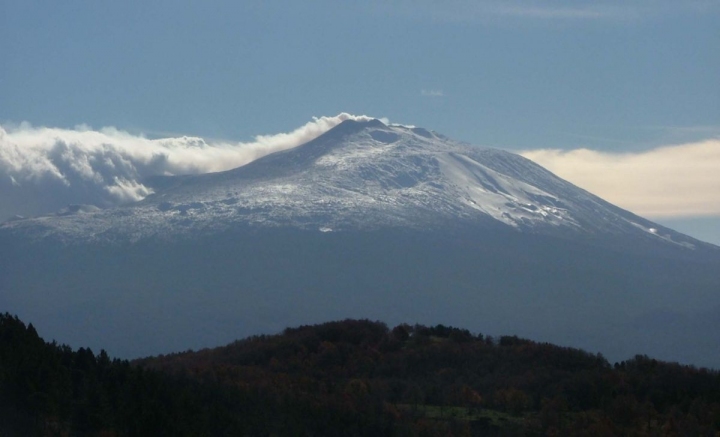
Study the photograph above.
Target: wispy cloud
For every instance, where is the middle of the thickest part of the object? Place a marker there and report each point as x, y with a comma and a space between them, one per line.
672, 181
43, 169
550, 12
491, 10
432, 93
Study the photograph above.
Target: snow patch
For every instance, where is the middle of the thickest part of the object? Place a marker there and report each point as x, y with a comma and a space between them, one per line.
503, 198
666, 237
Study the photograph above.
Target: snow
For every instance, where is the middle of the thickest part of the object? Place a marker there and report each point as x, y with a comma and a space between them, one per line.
361, 175
509, 201
667, 237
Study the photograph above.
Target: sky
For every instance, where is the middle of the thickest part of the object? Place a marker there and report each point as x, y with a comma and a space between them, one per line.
620, 97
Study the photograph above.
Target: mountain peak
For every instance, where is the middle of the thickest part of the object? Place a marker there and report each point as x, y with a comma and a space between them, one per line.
373, 122
351, 126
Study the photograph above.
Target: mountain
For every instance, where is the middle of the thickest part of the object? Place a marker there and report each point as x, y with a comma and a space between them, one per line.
367, 220
365, 175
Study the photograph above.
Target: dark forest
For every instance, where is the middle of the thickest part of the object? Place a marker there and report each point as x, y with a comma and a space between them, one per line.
351, 377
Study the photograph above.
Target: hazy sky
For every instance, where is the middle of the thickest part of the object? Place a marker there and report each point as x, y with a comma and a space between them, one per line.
635, 83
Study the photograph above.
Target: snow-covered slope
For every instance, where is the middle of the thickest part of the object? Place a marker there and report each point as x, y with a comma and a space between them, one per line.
363, 175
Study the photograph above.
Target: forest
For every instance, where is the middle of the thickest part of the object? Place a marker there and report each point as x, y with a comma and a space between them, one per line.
351, 378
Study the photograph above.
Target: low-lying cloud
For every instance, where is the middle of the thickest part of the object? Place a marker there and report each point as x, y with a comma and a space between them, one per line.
44, 169
672, 181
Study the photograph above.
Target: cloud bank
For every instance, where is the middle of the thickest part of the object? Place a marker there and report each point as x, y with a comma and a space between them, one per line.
44, 169
673, 181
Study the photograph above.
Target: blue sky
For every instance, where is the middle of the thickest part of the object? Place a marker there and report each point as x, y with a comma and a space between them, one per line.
616, 77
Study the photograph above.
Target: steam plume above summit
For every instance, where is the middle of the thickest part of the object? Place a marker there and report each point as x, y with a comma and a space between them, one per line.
43, 169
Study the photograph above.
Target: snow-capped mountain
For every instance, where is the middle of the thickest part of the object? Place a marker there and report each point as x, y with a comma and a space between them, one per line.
364, 175
367, 220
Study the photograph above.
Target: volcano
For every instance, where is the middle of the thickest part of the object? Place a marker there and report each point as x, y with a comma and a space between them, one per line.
387, 222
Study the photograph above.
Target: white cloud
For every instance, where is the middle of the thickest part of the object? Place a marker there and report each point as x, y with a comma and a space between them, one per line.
44, 169
672, 181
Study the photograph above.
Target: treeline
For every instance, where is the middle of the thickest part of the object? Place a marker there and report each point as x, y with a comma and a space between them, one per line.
486, 385
50, 390
352, 377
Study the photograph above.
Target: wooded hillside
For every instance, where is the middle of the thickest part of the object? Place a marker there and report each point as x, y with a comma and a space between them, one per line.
352, 377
